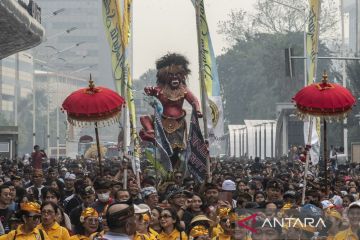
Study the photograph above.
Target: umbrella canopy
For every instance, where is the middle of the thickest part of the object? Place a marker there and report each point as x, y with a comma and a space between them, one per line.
324, 99
93, 104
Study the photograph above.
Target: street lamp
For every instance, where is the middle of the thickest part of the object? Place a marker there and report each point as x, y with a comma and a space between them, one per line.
68, 48
61, 10
67, 31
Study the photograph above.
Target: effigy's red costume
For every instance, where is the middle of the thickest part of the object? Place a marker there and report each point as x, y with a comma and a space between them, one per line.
171, 90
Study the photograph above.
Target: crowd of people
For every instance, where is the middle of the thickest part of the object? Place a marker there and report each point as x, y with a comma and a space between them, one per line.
241, 199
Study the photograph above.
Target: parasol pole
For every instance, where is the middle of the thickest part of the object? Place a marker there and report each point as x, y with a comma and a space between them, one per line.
98, 148
325, 156
307, 158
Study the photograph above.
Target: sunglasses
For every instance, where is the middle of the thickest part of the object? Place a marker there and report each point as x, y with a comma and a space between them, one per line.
35, 217
165, 216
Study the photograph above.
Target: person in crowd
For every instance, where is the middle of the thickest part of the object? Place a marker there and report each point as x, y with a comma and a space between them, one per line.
74, 200
211, 194
102, 189
155, 219
354, 220
37, 157
274, 191
87, 196
51, 195
69, 189
200, 228
170, 226
142, 220
150, 196
122, 195
5, 211
30, 215
120, 218
53, 176
37, 184
134, 192
89, 224
49, 224
195, 208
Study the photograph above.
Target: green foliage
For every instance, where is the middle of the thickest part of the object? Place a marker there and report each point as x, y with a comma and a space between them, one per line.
155, 164
253, 77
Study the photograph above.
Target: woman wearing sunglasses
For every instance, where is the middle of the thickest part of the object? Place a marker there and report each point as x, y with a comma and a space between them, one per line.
89, 224
49, 224
30, 215
170, 226
142, 220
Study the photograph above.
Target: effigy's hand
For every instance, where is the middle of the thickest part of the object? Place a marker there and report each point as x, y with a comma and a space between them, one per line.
149, 91
199, 114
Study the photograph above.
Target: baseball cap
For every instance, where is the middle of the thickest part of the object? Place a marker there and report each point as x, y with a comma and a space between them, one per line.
228, 185
355, 204
70, 176
141, 208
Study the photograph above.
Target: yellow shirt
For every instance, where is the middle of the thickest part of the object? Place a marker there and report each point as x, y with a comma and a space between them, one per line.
346, 235
79, 237
140, 236
20, 235
174, 235
56, 232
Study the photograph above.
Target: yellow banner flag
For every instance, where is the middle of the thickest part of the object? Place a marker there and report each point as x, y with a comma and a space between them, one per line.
312, 45
117, 19
112, 21
211, 87
312, 40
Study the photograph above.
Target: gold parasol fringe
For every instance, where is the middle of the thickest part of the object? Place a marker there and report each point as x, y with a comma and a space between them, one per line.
91, 123
330, 117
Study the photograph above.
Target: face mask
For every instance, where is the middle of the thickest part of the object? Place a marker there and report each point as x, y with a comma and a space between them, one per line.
104, 197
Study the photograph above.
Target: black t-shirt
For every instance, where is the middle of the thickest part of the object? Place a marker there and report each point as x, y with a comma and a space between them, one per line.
5, 215
75, 218
72, 203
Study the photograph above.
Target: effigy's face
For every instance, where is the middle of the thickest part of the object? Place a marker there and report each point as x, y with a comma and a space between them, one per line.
175, 77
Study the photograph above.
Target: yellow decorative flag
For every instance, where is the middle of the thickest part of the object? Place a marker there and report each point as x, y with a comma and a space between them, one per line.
112, 21
312, 45
117, 19
209, 75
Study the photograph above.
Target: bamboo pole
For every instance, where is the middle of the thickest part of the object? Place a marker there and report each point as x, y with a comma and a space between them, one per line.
98, 148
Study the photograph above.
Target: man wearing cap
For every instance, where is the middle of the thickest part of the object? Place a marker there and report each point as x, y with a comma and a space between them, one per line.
69, 184
30, 214
150, 196
274, 191
120, 219
177, 199
142, 220
102, 190
230, 187
352, 232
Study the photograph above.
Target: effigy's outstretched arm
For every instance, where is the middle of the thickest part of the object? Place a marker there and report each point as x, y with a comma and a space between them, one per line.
190, 97
152, 91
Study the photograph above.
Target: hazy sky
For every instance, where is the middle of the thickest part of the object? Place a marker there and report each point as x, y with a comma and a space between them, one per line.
162, 26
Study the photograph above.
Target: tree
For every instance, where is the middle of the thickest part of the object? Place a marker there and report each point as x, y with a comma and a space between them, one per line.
275, 18
253, 77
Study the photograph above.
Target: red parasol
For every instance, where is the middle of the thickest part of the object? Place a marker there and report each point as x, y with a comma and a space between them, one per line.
325, 100
93, 105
